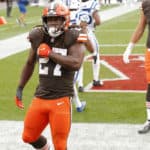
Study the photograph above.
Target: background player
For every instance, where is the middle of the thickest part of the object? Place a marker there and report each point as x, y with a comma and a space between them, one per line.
89, 13
144, 20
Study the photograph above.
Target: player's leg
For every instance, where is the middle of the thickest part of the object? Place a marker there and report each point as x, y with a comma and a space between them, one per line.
80, 79
96, 60
146, 127
9, 7
41, 144
34, 123
60, 122
23, 10
80, 105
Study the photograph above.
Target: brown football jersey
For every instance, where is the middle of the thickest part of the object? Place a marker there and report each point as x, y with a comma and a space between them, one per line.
54, 80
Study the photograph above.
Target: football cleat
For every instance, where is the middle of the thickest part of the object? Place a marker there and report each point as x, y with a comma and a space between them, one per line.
145, 128
81, 89
18, 21
98, 83
83, 105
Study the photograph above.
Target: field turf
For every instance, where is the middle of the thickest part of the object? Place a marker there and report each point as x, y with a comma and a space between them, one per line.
101, 107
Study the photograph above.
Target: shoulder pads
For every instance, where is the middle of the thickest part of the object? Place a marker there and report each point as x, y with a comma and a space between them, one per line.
36, 36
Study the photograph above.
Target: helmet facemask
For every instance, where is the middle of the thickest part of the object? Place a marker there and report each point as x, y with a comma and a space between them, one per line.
56, 19
55, 25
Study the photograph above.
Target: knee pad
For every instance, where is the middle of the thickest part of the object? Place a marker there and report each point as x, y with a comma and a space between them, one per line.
39, 143
95, 58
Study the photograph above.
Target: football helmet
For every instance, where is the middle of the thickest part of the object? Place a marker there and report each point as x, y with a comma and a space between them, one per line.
56, 19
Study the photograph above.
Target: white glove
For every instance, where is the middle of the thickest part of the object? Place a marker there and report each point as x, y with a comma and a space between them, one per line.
127, 53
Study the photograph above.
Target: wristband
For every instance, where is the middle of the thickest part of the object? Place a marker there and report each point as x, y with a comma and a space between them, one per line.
130, 46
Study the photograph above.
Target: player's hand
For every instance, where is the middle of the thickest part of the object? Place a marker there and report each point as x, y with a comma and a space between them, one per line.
18, 98
83, 25
44, 50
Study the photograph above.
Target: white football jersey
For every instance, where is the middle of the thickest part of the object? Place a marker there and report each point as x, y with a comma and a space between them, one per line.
72, 4
86, 10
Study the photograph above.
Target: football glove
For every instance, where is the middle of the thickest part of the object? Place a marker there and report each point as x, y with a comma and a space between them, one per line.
44, 50
127, 53
18, 98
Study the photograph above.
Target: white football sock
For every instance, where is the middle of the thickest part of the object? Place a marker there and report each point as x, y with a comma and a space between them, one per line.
96, 68
80, 77
75, 98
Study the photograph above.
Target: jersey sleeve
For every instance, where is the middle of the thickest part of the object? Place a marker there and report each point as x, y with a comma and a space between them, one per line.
95, 6
73, 36
82, 38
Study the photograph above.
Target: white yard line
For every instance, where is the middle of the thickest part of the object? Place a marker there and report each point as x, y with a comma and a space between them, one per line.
118, 11
83, 136
13, 45
114, 70
120, 45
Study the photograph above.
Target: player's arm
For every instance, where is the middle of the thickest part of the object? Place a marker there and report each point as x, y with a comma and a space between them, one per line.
35, 38
74, 58
89, 45
72, 61
137, 34
24, 78
97, 19
27, 69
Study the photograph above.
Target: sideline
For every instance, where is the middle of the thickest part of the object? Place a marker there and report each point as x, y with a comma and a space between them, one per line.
118, 11
89, 136
8, 48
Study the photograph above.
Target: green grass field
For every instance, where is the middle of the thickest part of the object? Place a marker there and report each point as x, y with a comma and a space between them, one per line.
101, 107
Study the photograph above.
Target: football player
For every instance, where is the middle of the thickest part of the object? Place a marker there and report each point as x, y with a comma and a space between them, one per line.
59, 52
89, 14
22, 5
144, 21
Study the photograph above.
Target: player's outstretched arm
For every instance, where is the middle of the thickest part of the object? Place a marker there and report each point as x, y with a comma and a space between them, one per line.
25, 76
137, 34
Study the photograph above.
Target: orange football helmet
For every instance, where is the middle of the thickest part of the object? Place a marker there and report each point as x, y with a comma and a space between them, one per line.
56, 18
